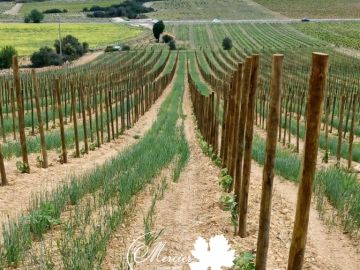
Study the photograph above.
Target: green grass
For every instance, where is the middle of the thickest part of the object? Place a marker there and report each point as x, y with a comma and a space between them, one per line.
28, 38
71, 5
210, 9
345, 34
314, 9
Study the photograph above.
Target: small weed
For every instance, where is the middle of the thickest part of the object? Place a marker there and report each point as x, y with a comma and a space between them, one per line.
225, 182
245, 261
136, 137
92, 147
228, 203
42, 219
22, 167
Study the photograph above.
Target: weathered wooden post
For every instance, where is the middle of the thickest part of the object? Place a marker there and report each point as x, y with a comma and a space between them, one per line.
351, 136
340, 129
4, 180
20, 109
307, 174
83, 114
244, 190
268, 172
241, 128
40, 123
62, 130
73, 111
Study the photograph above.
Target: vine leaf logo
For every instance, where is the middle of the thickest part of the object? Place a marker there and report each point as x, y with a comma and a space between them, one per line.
216, 254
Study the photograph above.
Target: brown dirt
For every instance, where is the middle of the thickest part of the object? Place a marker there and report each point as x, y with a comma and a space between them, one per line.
190, 209
14, 199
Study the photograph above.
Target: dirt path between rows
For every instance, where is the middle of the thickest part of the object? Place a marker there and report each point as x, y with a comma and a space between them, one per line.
14, 198
190, 209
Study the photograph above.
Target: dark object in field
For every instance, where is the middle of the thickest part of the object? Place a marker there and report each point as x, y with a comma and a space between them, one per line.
128, 8
227, 44
54, 10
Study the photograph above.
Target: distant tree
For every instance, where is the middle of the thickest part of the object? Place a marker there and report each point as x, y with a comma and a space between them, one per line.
227, 44
34, 16
172, 45
71, 48
6, 55
158, 29
46, 56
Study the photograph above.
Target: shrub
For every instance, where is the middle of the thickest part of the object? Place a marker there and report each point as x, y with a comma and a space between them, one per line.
172, 45
6, 55
167, 38
85, 47
158, 29
35, 16
125, 48
45, 57
71, 48
52, 10
227, 44
99, 14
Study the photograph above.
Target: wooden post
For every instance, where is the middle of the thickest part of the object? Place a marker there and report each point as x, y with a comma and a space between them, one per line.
244, 190
351, 136
340, 128
62, 131
327, 108
20, 108
90, 113
73, 111
13, 111
2, 120
83, 113
4, 180
268, 172
314, 111
96, 118
40, 123
242, 122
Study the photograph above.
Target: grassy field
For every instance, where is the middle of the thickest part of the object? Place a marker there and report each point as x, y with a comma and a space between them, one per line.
346, 34
70, 5
28, 38
314, 9
210, 9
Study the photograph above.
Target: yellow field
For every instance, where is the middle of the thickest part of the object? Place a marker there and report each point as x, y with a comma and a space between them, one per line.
28, 38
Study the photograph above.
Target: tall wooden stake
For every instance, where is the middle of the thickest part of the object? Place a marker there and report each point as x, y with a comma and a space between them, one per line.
40, 123
340, 130
268, 172
20, 108
4, 180
244, 190
315, 104
245, 88
351, 136
62, 131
